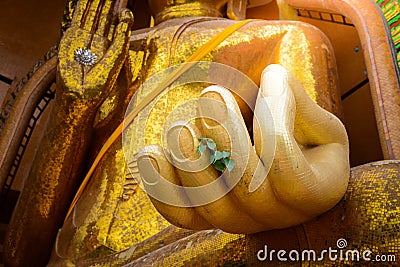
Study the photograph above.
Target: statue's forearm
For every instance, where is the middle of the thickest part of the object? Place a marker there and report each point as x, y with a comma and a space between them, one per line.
61, 157
52, 182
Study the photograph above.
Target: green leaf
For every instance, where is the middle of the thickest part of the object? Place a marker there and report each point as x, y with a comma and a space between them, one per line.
218, 165
212, 158
230, 165
211, 144
226, 154
218, 155
201, 148
225, 161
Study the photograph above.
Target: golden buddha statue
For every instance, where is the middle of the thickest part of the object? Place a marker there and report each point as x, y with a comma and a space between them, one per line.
103, 66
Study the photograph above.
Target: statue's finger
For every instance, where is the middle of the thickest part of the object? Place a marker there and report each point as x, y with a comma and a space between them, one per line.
207, 188
252, 192
92, 15
304, 177
298, 113
222, 121
108, 12
215, 114
261, 201
274, 112
112, 61
278, 96
313, 124
183, 142
154, 167
124, 16
79, 12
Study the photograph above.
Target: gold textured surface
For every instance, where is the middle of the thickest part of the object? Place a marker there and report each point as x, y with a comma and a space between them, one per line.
381, 65
138, 107
104, 221
301, 183
61, 157
196, 8
366, 218
170, 43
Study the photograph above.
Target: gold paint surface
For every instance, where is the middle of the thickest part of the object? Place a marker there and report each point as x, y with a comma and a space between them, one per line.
63, 151
196, 9
117, 224
107, 107
171, 43
361, 218
105, 220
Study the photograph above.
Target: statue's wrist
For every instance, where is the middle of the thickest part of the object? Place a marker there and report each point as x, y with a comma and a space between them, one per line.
74, 111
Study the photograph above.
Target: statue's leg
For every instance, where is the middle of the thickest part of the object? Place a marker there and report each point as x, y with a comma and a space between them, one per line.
367, 218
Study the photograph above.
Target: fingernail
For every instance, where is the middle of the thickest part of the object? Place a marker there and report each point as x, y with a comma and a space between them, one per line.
274, 81
182, 140
212, 107
149, 152
148, 168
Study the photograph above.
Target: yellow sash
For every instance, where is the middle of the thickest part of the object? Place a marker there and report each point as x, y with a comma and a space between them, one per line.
199, 54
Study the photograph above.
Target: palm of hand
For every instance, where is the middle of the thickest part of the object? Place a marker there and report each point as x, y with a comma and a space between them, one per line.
91, 29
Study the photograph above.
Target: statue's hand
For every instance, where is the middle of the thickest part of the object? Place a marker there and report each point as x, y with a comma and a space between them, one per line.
90, 76
308, 175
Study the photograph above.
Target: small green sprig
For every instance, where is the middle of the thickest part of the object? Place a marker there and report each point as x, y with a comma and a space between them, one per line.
220, 159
